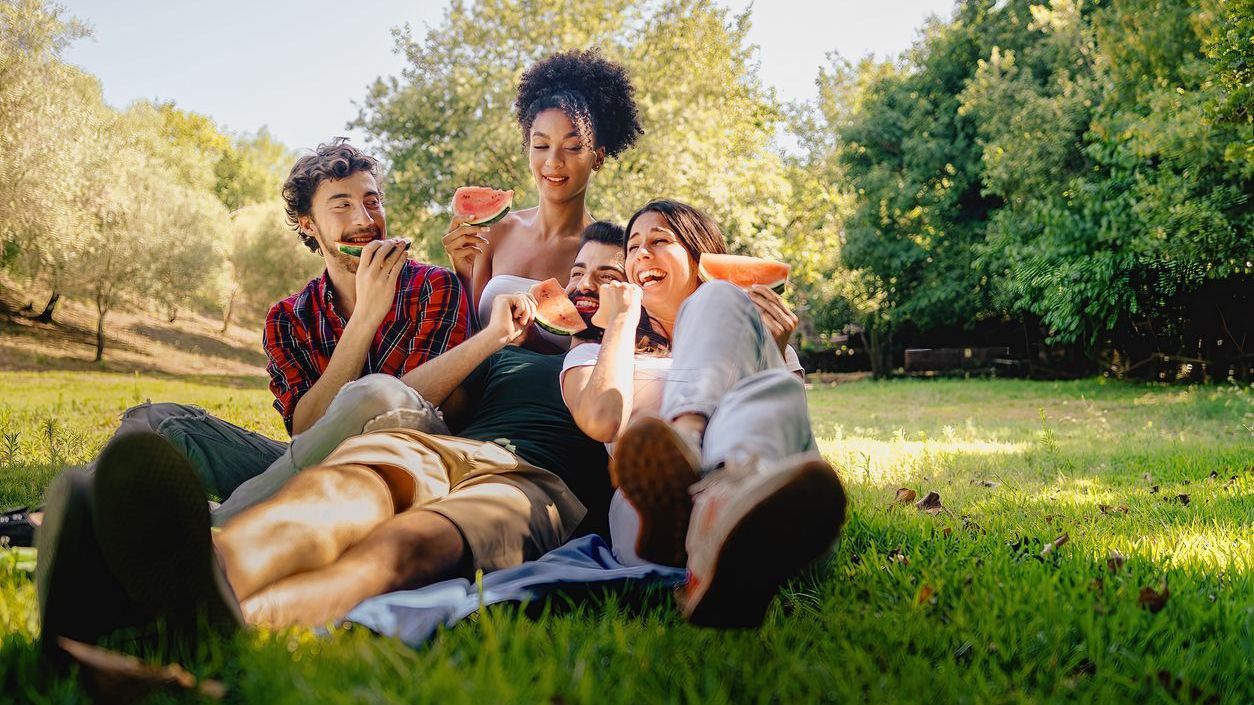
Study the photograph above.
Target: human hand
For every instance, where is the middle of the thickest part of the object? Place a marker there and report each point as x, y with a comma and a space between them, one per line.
379, 268
464, 243
779, 319
510, 317
619, 305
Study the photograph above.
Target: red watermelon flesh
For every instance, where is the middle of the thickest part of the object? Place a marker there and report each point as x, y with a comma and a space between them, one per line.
554, 311
743, 271
484, 205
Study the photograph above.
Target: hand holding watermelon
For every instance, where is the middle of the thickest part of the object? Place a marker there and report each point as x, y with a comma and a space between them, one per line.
778, 316
474, 209
620, 301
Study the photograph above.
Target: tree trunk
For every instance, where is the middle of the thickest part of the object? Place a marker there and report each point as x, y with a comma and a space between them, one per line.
879, 348
101, 309
46, 316
230, 308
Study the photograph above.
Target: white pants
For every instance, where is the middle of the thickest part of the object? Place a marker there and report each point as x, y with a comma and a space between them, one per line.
727, 368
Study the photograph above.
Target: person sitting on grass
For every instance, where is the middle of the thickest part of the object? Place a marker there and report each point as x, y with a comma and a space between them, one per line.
713, 446
377, 313
389, 509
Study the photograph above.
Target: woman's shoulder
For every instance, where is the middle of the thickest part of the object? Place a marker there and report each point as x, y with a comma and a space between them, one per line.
516, 220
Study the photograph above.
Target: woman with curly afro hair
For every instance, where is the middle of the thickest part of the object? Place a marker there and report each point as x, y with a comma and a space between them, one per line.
575, 109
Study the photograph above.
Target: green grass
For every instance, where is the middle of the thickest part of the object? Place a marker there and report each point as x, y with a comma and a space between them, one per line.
953, 607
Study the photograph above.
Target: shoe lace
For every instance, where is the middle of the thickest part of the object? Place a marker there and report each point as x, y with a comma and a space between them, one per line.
736, 467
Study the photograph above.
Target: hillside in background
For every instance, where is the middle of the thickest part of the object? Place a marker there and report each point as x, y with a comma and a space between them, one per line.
137, 341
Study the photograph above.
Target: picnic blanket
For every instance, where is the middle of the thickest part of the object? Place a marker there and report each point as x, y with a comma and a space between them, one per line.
577, 569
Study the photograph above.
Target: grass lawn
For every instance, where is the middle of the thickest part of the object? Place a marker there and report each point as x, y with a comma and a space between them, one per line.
948, 607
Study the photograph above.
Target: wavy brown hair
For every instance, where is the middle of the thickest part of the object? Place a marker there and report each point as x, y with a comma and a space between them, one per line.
330, 162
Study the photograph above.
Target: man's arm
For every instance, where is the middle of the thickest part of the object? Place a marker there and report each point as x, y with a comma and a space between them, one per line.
375, 291
436, 379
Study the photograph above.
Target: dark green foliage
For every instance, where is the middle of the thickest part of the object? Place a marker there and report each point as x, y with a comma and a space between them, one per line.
1086, 165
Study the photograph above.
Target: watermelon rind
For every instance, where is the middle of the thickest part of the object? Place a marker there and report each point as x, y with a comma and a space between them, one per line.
576, 323
488, 221
553, 328
778, 287
355, 250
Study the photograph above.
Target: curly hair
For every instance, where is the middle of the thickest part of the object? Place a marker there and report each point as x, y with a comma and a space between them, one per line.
594, 92
329, 162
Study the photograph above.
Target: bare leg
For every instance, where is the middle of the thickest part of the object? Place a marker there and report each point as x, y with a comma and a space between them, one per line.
411, 549
317, 515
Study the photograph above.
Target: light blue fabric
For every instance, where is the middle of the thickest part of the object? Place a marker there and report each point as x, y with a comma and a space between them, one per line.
586, 563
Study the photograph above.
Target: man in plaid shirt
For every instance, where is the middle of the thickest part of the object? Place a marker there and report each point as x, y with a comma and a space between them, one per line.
379, 312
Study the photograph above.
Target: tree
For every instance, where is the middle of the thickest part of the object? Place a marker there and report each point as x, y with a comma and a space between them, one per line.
48, 110
447, 121
267, 260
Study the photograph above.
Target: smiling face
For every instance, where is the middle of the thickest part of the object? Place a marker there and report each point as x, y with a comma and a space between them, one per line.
597, 263
346, 210
561, 163
659, 263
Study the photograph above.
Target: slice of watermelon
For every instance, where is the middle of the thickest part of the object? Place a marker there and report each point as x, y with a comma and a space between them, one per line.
485, 205
743, 271
554, 311
355, 250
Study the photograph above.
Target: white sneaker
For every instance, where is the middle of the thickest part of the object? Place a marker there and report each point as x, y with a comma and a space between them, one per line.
751, 530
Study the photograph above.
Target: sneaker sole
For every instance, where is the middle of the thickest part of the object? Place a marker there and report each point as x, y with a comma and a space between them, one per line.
654, 469
78, 597
754, 562
152, 517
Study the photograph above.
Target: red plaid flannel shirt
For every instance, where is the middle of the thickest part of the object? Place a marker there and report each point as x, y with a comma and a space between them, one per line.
429, 315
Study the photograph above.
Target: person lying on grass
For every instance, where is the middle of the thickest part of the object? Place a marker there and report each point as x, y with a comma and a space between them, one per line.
713, 446
392, 508
375, 313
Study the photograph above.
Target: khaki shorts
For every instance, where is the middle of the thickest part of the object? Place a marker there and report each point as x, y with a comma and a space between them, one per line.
507, 510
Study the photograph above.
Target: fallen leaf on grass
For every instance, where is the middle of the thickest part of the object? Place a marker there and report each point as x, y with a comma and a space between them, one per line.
905, 495
1107, 509
1154, 489
925, 594
986, 483
1153, 600
1049, 547
947, 532
898, 556
1114, 562
118, 678
1181, 498
931, 503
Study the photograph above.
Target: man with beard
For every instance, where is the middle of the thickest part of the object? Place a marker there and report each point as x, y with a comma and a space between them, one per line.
378, 312
392, 508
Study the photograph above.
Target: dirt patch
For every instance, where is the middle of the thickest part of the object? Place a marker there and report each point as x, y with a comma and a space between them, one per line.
135, 340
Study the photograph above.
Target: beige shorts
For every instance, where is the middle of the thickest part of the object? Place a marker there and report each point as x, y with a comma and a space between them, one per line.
507, 510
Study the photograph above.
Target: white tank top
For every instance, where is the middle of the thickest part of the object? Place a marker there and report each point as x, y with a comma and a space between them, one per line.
511, 284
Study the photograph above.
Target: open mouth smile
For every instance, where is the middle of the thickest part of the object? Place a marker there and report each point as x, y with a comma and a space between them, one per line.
586, 305
650, 278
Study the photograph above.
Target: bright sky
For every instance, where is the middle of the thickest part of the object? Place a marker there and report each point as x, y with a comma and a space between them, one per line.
299, 66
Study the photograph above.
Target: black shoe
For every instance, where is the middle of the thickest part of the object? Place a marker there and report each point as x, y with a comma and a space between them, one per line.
78, 597
152, 518
16, 527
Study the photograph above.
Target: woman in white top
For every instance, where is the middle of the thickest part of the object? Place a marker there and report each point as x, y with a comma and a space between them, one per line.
714, 455
575, 109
